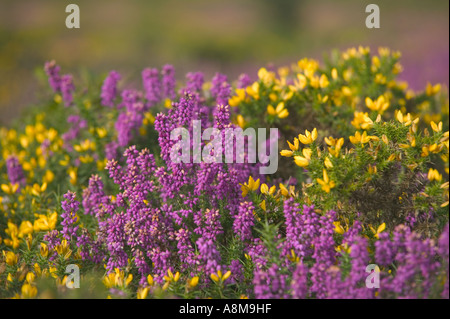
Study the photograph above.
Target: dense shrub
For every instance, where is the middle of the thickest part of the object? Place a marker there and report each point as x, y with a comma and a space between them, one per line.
87, 179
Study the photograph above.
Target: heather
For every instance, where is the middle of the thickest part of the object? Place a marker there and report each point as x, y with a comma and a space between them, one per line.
87, 179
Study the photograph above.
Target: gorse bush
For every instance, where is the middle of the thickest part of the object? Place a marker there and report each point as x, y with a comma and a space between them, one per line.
88, 180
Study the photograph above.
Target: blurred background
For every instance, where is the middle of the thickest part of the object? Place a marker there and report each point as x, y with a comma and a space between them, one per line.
232, 36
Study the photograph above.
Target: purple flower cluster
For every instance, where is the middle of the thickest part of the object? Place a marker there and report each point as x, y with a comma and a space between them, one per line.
152, 86
270, 284
417, 273
77, 125
54, 79
60, 84
416, 263
15, 171
163, 216
194, 83
244, 222
301, 228
109, 89
169, 82
244, 81
70, 207
221, 89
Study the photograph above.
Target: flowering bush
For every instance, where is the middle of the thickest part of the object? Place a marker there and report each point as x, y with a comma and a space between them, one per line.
363, 180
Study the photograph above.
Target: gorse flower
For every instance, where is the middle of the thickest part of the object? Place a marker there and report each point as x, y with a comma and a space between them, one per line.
280, 111
363, 138
326, 183
379, 105
309, 137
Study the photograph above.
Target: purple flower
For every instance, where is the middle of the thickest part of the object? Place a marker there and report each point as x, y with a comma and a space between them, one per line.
70, 207
67, 89
52, 70
244, 221
94, 197
169, 82
443, 250
270, 284
109, 89
209, 256
244, 81
16, 175
152, 86
194, 83
299, 283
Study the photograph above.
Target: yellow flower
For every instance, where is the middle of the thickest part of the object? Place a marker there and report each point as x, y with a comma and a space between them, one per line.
49, 177
433, 90
128, 280
293, 257
150, 280
299, 83
240, 121
117, 279
142, 293
362, 121
30, 277
326, 183
268, 191
44, 250
44, 223
309, 137
335, 145
253, 91
14, 242
362, 138
109, 280
380, 105
238, 98
334, 74
344, 248
328, 163
281, 112
219, 277
25, 228
427, 149
73, 175
29, 291
252, 185
436, 127
172, 277
338, 228
303, 161
263, 205
10, 258
405, 119
38, 190
265, 76
63, 249
167, 105
294, 147
9, 189
380, 229
324, 82
286, 153
193, 282
433, 175
101, 132
85, 146
264, 189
